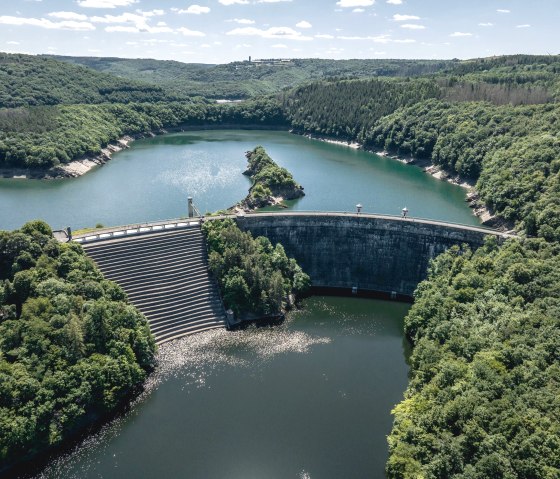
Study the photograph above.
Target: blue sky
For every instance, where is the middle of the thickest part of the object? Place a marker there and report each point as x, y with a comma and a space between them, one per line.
220, 31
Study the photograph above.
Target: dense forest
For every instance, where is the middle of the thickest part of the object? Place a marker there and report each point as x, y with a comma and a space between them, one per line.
249, 79
71, 347
513, 152
43, 137
483, 398
27, 80
254, 276
270, 181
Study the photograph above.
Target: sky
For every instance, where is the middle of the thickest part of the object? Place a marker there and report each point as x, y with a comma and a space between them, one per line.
222, 31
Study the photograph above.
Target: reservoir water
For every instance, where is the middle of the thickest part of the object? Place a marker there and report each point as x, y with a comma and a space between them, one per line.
152, 180
309, 399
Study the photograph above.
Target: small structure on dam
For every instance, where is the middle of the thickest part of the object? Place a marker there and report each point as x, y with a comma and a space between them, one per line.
163, 266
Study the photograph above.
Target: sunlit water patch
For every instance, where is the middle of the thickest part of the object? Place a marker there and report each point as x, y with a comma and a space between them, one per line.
310, 398
197, 172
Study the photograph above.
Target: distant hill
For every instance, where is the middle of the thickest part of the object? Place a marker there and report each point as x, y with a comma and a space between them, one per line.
249, 79
27, 80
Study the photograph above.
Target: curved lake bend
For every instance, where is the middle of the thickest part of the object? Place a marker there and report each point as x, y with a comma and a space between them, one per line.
153, 178
308, 399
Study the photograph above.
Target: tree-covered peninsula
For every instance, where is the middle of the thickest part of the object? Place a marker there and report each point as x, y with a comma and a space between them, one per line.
72, 348
255, 277
272, 184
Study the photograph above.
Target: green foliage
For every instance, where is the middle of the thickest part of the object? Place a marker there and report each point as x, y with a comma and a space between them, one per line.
246, 80
347, 108
483, 396
77, 130
27, 80
71, 347
269, 180
254, 276
513, 151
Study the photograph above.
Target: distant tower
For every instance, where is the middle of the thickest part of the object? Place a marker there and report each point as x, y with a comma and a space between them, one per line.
249, 58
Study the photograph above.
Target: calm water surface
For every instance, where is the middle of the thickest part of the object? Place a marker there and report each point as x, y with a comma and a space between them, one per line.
153, 179
308, 399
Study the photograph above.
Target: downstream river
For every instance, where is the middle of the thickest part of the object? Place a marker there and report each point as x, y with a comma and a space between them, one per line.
308, 399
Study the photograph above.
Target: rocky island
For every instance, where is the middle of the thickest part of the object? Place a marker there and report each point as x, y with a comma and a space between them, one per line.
272, 184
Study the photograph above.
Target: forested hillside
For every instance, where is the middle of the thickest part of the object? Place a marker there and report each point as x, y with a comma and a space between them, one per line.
42, 137
484, 395
346, 109
513, 152
27, 80
71, 347
249, 79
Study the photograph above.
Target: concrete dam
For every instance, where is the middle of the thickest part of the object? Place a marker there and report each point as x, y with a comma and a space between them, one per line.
163, 266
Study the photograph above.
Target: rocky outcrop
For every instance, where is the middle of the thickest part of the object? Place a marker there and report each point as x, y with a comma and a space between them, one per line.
272, 184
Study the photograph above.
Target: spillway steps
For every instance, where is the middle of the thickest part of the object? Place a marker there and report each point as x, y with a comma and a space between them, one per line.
165, 275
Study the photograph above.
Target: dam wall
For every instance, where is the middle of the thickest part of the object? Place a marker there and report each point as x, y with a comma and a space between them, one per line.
388, 255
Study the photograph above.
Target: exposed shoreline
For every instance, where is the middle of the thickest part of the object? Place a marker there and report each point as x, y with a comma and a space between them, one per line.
86, 163
472, 197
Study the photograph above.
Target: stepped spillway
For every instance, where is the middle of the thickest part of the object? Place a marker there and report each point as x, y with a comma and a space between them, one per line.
165, 275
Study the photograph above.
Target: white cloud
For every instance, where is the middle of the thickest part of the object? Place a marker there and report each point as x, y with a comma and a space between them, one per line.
190, 33
405, 40
395, 2
355, 3
233, 2
242, 21
358, 10
12, 43
122, 29
134, 22
525, 25
404, 18
279, 45
501, 10
195, 10
460, 34
412, 26
151, 13
488, 24
69, 16
105, 3
272, 1
324, 35
45, 23
285, 33
303, 24
375, 39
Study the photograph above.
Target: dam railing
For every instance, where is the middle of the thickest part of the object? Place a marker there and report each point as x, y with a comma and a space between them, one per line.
179, 223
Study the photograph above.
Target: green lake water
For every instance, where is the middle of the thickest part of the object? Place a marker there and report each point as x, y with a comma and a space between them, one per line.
152, 180
309, 399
